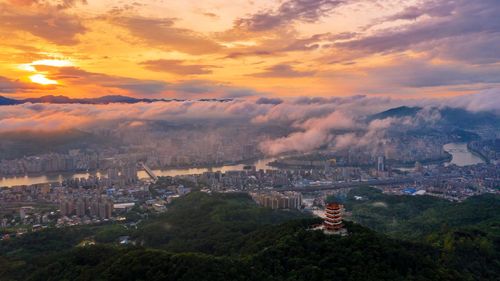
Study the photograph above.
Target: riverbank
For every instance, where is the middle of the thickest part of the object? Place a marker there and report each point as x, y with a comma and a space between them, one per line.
478, 153
462, 155
175, 171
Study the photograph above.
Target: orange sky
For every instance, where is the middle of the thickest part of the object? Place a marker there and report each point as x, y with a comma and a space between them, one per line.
214, 48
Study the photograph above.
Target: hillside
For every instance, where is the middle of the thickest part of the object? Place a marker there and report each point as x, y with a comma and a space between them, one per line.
449, 117
414, 217
17, 144
228, 237
285, 252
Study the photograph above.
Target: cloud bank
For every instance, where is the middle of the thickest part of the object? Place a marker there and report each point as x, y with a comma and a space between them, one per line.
309, 123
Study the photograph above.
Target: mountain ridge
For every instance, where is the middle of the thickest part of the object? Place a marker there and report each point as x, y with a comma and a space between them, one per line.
109, 99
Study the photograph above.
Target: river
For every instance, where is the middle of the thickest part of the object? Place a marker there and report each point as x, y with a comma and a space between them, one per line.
36, 179
461, 155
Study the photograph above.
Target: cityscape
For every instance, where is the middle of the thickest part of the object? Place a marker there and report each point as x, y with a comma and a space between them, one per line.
118, 188
250, 140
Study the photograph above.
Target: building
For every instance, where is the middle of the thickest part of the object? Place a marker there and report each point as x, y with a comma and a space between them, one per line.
277, 200
66, 207
25, 211
333, 217
105, 209
81, 208
381, 164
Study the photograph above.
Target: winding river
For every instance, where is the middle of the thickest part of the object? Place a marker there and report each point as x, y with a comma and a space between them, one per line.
36, 179
461, 155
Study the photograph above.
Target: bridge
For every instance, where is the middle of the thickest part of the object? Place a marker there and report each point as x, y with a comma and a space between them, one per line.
150, 172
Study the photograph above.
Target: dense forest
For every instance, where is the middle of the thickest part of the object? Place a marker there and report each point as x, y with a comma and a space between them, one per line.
417, 217
228, 237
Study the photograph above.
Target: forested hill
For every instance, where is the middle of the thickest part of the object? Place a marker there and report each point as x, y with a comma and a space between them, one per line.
285, 252
228, 237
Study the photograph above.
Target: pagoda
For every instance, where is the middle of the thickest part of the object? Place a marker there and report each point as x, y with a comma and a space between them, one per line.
333, 218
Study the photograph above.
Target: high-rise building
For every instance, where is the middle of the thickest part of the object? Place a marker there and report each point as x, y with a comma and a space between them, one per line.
105, 209
81, 208
66, 207
381, 164
277, 200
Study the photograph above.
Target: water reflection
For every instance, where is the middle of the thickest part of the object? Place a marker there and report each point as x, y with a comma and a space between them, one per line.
29, 180
462, 156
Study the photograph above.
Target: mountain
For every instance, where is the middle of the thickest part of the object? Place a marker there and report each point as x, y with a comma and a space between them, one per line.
100, 100
460, 117
7, 101
15, 144
450, 117
397, 112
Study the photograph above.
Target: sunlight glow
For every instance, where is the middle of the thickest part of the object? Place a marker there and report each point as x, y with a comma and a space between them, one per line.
57, 63
41, 79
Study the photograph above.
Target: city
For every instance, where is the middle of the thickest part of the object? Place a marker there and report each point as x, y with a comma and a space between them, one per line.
97, 199
261, 140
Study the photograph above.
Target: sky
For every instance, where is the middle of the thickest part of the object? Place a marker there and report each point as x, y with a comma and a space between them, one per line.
405, 49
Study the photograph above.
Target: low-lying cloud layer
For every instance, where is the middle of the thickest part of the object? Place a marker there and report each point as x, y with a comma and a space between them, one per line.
311, 122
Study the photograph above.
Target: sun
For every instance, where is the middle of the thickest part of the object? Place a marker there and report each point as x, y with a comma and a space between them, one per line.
40, 76
41, 79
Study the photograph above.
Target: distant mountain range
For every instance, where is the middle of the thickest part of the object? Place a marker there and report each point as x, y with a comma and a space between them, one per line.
101, 100
450, 116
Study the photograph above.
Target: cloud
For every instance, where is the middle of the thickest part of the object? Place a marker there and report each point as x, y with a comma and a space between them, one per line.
207, 89
163, 34
211, 15
418, 73
8, 86
266, 100
288, 12
177, 67
61, 4
486, 100
282, 44
48, 23
84, 116
455, 29
282, 71
183, 89
337, 123
315, 133
78, 76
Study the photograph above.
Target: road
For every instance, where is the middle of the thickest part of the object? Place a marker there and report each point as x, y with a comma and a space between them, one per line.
358, 183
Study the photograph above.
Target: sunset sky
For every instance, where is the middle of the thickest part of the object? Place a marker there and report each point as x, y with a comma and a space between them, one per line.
248, 48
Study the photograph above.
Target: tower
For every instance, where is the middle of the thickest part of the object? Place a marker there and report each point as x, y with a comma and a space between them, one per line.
333, 217
381, 164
